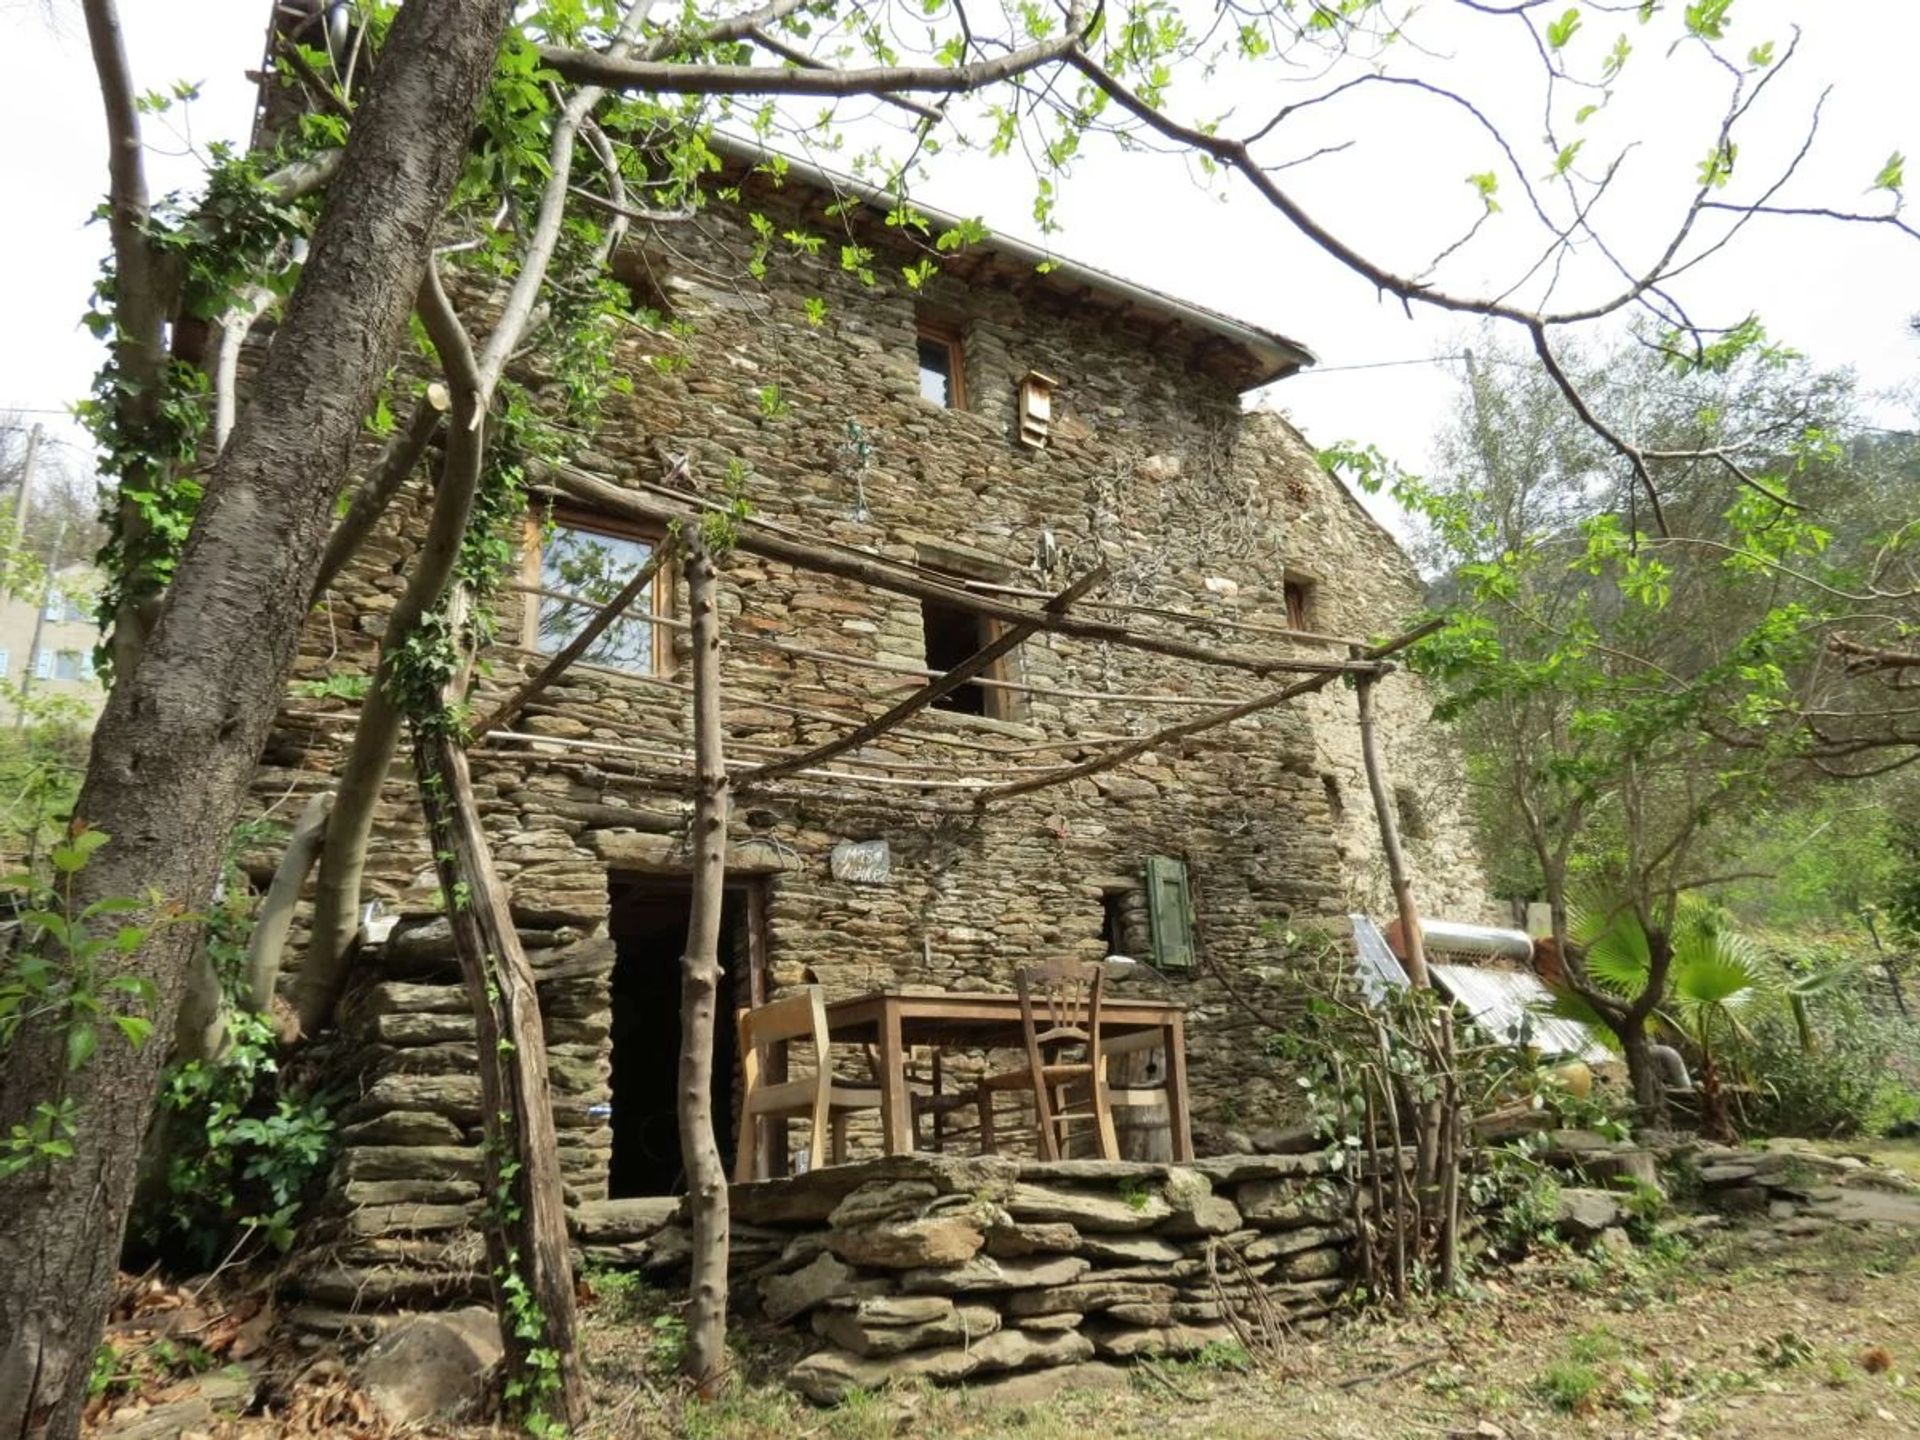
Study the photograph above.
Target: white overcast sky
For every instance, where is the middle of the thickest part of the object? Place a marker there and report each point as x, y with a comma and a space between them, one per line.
1841, 294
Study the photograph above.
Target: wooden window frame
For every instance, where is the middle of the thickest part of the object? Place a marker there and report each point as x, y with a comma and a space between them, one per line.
574, 517
995, 703
949, 339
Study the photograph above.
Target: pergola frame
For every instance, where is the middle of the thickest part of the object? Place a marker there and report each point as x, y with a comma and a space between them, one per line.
680, 515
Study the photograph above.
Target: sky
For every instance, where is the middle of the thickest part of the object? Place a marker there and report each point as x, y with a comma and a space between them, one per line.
1841, 294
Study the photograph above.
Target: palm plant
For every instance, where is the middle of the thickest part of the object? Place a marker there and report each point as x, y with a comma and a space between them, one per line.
1717, 981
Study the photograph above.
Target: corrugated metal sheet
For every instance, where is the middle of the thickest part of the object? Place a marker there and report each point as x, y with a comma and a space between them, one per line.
1506, 1004
1379, 972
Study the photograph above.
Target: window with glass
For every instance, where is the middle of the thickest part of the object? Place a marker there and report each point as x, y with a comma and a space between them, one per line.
942, 375
575, 565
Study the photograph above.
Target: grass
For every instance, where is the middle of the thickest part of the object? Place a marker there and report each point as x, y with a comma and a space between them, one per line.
1570, 1387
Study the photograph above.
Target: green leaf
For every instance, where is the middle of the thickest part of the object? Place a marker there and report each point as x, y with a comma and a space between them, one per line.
1487, 183
1560, 31
1708, 18
1563, 162
82, 1041
135, 1027
112, 905
1892, 174
1761, 56
138, 986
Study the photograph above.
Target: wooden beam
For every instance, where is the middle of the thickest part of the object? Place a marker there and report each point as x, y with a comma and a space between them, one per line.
881, 575
508, 710
1186, 728
941, 685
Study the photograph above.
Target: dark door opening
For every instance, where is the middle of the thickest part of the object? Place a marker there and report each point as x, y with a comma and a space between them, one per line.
649, 928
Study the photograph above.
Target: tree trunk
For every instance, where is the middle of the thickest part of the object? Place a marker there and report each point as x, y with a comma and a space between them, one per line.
706, 1357
525, 1220
174, 753
1643, 1073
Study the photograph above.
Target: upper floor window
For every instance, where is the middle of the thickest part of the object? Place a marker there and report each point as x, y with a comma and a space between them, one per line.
943, 377
576, 563
1299, 595
952, 635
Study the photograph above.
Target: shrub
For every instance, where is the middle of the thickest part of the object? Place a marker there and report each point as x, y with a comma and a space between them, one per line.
1856, 1080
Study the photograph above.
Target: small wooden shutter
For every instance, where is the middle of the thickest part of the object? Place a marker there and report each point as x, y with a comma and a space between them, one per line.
1170, 913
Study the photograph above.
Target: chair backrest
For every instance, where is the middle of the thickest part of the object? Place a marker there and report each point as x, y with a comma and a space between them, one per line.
800, 1016
1060, 1004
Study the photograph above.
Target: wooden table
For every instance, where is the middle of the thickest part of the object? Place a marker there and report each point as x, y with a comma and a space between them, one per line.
894, 1021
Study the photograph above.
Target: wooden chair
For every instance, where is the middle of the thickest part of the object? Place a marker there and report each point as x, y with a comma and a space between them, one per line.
1060, 1021
821, 1098
928, 1097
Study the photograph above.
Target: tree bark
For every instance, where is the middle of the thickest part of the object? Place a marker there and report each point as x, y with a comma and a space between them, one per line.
1396, 858
174, 753
706, 1357
525, 1220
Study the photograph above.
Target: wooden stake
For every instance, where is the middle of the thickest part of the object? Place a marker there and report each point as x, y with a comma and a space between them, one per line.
944, 684
706, 1353
1197, 725
525, 1224
508, 710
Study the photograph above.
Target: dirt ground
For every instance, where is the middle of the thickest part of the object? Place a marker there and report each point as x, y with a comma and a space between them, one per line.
1733, 1333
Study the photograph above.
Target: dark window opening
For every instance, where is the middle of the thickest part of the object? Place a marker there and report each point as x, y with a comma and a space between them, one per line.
648, 924
942, 376
1299, 595
1336, 802
1413, 820
953, 635
642, 276
1123, 923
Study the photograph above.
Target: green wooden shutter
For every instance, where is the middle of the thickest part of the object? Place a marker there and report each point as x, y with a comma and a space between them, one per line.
1170, 913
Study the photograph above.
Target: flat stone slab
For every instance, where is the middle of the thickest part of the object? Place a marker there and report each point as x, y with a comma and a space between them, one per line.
603, 1222
1238, 1169
812, 1198
1086, 1210
983, 1273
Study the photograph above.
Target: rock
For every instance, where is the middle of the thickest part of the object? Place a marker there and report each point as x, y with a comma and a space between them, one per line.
963, 1324
1209, 1215
811, 1198
897, 1309
784, 1296
983, 1272
409, 1162
1735, 1173
1125, 1342
403, 1127
1089, 1296
939, 1240
208, 1398
1086, 1210
1032, 1387
1059, 1320
1129, 1249
431, 1365
1027, 1350
1782, 1210
1011, 1239
827, 1377
1613, 1241
1583, 1214
881, 1200
602, 1222
403, 1218
1292, 1242
1312, 1265
1151, 1315
1238, 1169
1282, 1204
1743, 1199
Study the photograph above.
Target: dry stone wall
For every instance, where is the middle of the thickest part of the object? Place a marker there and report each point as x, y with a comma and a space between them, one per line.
951, 1269
1152, 468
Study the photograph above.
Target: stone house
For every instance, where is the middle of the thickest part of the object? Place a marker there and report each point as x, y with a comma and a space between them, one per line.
1004, 425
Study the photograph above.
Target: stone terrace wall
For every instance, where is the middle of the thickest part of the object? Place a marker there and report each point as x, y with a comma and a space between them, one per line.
951, 1269
1151, 468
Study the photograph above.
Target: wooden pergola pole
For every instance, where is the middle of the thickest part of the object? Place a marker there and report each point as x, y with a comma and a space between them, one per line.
757, 540
1366, 668
1383, 809
940, 685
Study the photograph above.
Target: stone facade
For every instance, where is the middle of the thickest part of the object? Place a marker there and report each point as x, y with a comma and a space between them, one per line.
1151, 466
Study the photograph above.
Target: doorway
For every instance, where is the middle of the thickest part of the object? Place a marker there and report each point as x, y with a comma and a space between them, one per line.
648, 924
